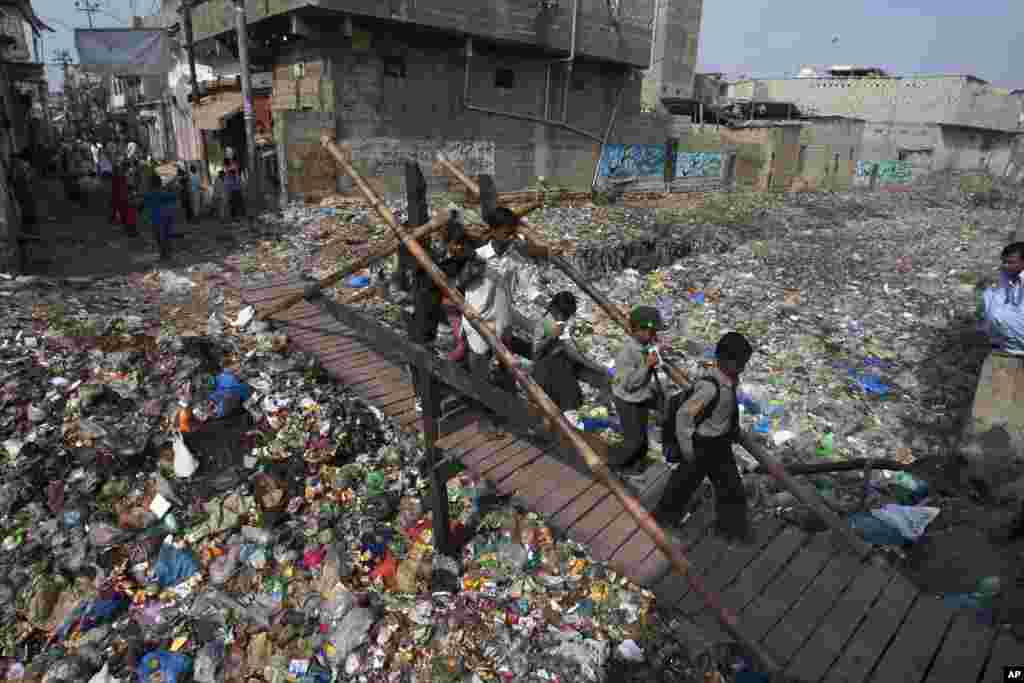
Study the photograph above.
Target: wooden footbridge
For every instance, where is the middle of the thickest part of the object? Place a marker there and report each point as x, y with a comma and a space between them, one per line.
809, 607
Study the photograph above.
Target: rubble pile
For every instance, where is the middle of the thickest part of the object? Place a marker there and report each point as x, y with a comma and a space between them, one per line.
183, 497
273, 530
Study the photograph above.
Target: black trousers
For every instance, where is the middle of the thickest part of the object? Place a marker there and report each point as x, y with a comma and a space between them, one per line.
633, 417
713, 458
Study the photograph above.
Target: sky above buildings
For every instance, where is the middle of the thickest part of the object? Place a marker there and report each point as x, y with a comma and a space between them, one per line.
766, 37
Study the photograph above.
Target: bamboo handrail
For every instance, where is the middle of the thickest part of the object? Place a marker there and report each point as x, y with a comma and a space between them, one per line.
600, 470
805, 494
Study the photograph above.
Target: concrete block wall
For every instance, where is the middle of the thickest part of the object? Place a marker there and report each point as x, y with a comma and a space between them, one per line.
618, 32
918, 100
827, 154
674, 56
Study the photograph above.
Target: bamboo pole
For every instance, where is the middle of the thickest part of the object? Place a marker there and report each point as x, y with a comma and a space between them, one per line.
533, 390
439, 221
766, 461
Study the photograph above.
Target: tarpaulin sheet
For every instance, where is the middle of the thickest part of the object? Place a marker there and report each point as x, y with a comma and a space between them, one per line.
124, 52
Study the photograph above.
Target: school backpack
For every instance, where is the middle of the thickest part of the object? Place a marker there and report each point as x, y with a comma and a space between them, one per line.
669, 438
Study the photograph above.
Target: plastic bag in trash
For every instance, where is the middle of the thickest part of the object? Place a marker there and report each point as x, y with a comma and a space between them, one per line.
174, 565
185, 464
875, 531
170, 665
103, 676
911, 522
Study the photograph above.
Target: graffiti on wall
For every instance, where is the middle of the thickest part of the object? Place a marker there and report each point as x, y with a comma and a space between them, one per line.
866, 169
699, 165
625, 161
387, 156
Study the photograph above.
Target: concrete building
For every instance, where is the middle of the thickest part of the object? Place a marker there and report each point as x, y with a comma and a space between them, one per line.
517, 88
934, 123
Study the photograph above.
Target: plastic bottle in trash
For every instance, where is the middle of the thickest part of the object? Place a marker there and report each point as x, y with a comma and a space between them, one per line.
185, 417
257, 535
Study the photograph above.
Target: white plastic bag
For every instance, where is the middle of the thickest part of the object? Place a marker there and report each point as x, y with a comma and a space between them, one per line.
103, 676
185, 464
910, 521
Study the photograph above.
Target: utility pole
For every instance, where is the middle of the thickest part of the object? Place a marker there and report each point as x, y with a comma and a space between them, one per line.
255, 185
63, 58
186, 16
88, 7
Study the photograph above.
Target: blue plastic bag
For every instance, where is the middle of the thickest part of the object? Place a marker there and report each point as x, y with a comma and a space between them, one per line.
875, 531
174, 566
358, 281
228, 381
169, 664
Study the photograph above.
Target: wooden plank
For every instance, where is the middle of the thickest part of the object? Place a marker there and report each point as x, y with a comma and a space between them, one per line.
382, 371
648, 571
755, 576
782, 593
962, 654
482, 466
594, 522
533, 483
816, 655
864, 649
358, 359
252, 284
801, 621
500, 473
483, 448
400, 407
671, 589
388, 396
911, 651
328, 349
300, 312
452, 441
1006, 651
580, 507
614, 535
270, 294
561, 497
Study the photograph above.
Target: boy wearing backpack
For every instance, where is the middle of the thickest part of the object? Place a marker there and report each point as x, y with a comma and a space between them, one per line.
707, 424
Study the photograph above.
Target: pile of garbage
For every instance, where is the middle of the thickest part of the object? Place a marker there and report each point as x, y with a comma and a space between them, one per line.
213, 507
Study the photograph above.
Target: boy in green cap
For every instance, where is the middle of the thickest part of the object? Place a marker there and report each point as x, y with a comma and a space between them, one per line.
635, 388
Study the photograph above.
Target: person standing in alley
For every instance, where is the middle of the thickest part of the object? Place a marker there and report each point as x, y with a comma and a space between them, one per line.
119, 195
635, 388
233, 184
161, 207
707, 425
196, 185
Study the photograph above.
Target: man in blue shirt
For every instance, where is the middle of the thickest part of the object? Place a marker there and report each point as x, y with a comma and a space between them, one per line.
162, 208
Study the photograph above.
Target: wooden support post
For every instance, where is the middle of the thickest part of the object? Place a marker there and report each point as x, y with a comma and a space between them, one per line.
428, 392
416, 195
599, 468
439, 221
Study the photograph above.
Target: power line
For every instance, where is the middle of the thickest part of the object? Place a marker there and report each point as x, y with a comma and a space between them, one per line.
88, 7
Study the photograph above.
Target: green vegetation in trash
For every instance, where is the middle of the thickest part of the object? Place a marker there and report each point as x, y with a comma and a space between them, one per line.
727, 209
